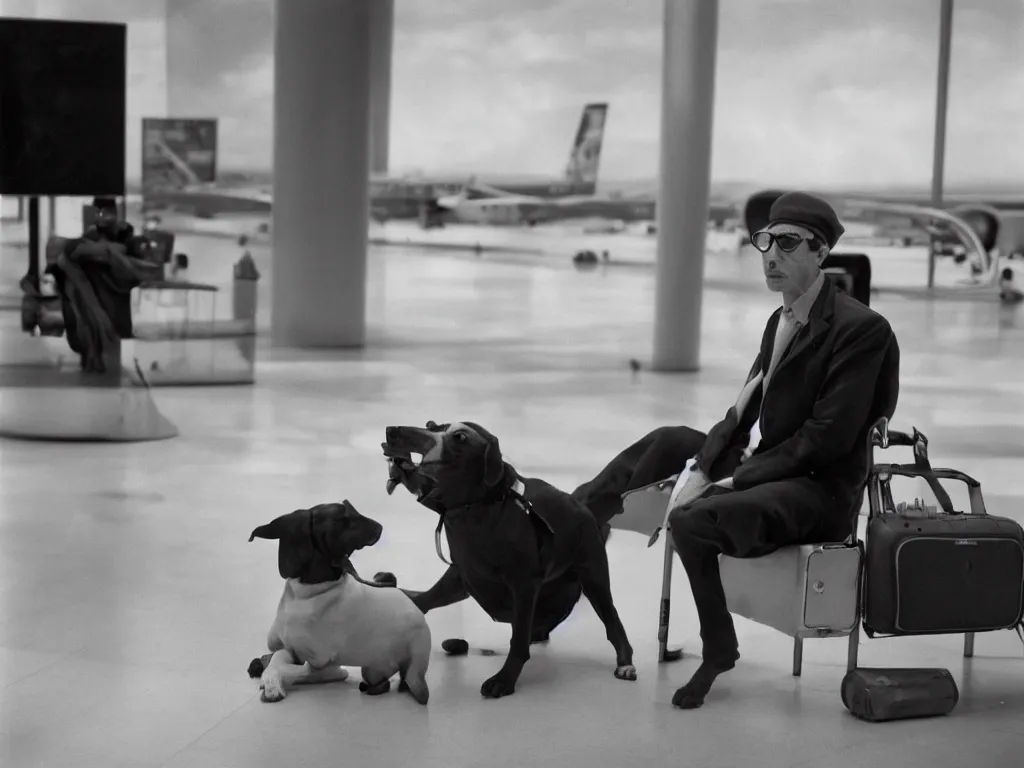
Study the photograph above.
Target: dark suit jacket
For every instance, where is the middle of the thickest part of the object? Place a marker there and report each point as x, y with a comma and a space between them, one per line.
840, 375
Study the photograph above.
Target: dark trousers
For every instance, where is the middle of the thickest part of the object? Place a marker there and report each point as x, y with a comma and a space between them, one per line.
748, 523
657, 455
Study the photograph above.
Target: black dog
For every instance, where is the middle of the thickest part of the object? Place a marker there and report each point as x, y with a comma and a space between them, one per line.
521, 548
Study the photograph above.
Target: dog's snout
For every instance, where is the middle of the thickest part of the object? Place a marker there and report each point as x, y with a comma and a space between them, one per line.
391, 433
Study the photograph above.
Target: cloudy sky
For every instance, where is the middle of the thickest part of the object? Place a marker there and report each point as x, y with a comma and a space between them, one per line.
824, 92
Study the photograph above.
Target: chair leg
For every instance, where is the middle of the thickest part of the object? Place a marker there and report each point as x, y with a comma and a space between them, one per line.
853, 648
664, 654
798, 656
666, 597
969, 645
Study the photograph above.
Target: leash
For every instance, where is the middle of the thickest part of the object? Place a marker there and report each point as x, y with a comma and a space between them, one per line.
345, 562
515, 492
350, 569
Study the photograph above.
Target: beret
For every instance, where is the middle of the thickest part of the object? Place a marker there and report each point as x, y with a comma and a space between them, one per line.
808, 211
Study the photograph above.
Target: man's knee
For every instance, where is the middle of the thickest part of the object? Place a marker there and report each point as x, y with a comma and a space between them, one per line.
691, 523
682, 439
660, 433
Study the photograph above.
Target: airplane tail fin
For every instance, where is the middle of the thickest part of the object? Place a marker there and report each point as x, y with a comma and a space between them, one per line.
585, 155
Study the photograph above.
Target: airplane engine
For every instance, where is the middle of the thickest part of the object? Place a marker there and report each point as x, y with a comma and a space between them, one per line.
984, 223
432, 215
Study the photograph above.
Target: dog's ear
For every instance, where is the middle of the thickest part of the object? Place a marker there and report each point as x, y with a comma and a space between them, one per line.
494, 464
295, 550
283, 526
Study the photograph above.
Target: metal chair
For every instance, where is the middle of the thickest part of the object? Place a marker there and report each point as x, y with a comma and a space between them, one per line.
809, 590
804, 591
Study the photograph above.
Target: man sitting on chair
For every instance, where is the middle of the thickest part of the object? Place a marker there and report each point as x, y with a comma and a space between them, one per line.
809, 394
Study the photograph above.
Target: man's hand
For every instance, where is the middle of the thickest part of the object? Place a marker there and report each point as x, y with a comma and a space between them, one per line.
691, 484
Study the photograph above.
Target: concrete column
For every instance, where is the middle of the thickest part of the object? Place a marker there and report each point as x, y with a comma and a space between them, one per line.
321, 172
941, 103
381, 38
687, 104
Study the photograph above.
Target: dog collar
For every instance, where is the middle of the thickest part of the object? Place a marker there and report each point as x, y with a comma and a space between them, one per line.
516, 492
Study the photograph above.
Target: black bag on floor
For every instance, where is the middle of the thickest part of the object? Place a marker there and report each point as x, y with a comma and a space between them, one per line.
877, 695
931, 572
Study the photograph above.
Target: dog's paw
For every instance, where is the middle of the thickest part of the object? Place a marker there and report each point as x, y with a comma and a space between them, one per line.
688, 698
497, 686
626, 672
271, 689
375, 690
256, 668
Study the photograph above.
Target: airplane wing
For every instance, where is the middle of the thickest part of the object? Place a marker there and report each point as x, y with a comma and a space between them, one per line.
210, 202
985, 264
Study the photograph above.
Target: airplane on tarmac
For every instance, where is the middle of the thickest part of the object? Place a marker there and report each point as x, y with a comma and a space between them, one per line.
408, 197
997, 219
480, 204
503, 205
477, 204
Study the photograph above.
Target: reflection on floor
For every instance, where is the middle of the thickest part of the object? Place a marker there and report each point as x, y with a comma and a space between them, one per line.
131, 602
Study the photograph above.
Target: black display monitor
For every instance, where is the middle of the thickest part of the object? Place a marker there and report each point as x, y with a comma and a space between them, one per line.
62, 108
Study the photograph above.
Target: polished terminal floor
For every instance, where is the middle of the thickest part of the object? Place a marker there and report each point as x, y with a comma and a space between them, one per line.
131, 601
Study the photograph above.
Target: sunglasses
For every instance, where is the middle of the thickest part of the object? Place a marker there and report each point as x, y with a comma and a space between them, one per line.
787, 241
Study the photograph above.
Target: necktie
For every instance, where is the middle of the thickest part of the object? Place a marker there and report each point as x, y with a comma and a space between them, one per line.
784, 335
788, 326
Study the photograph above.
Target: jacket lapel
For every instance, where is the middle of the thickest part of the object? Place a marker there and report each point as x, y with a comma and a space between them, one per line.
818, 323
768, 340
748, 415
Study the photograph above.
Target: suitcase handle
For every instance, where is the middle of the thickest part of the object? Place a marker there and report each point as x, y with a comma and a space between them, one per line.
880, 436
881, 474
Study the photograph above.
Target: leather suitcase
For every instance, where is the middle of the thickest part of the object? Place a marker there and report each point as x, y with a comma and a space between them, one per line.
948, 574
928, 572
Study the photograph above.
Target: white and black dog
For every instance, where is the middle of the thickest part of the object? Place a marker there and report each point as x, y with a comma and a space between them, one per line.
328, 618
